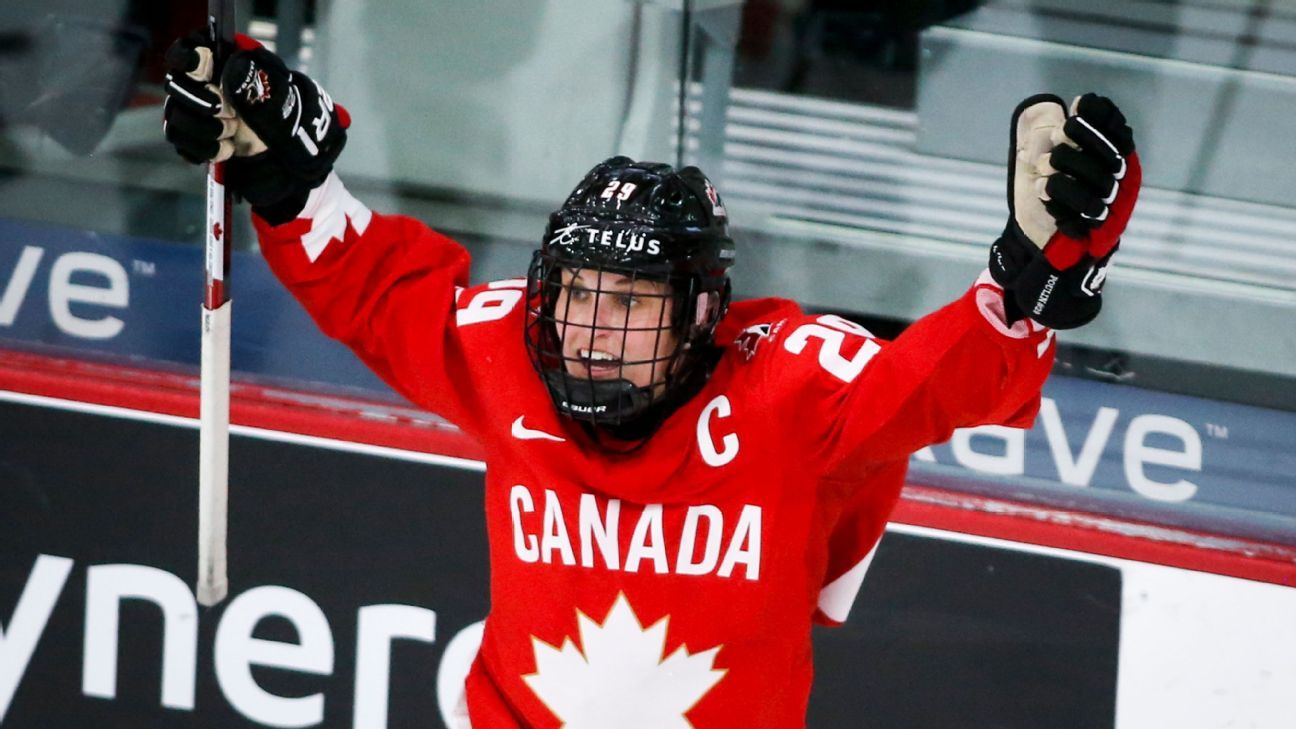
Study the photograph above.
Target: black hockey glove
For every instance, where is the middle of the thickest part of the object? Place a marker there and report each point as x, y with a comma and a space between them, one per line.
277, 129
1073, 180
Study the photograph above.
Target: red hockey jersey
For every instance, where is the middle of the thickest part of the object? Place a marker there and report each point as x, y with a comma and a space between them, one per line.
674, 586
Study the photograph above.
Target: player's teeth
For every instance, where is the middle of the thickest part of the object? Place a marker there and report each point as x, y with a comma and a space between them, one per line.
594, 354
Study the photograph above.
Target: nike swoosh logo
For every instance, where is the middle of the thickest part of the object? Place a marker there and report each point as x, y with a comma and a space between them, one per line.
521, 432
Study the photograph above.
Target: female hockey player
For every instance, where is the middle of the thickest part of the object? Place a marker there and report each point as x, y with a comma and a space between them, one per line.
677, 487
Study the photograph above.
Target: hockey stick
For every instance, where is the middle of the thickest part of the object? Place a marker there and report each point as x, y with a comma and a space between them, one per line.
214, 399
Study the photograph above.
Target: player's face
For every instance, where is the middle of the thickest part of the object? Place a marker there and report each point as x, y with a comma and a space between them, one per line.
613, 326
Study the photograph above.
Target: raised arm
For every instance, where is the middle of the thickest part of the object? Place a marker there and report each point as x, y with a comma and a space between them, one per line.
386, 286
1073, 180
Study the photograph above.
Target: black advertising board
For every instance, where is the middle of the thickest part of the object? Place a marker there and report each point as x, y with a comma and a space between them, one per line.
344, 555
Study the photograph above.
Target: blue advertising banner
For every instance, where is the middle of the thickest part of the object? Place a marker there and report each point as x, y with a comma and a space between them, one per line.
1140, 454
1125, 450
140, 298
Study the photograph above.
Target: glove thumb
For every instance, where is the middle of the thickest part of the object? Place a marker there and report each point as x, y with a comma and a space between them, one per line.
1036, 122
246, 141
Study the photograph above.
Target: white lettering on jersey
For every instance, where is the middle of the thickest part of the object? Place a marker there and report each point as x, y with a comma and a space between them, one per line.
832, 331
489, 305
555, 531
600, 531
745, 546
719, 407
684, 564
524, 544
698, 548
648, 542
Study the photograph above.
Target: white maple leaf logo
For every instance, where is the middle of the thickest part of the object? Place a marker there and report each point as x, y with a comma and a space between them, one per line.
621, 680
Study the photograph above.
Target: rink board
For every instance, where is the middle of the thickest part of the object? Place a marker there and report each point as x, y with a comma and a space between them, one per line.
950, 629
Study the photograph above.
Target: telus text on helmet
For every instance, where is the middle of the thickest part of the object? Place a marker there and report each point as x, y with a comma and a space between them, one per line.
623, 240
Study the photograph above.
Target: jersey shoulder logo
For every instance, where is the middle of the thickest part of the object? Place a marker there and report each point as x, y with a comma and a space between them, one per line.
521, 432
750, 338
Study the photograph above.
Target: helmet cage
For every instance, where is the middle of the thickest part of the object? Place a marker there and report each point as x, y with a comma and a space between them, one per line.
696, 307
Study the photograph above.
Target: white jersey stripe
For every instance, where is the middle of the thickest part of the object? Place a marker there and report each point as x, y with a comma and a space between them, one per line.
330, 207
837, 597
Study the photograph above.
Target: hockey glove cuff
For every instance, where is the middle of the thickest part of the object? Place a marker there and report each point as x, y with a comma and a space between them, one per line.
302, 128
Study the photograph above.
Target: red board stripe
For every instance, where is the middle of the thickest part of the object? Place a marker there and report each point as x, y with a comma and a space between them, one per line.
259, 406
1096, 534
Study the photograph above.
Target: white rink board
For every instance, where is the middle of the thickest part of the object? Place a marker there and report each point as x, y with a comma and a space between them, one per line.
1205, 651
1197, 650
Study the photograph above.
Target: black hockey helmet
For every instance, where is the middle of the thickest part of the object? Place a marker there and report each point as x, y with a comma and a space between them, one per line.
642, 220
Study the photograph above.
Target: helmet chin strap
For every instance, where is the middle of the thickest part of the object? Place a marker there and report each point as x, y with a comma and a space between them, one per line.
597, 401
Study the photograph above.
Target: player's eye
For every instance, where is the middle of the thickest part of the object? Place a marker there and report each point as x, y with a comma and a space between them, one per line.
577, 294
627, 301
